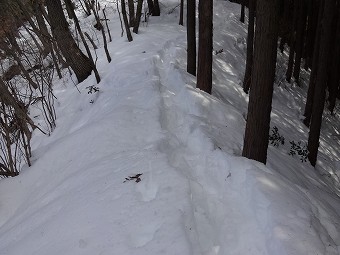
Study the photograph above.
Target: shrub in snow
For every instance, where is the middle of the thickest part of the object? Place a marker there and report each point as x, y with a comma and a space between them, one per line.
92, 89
298, 149
275, 138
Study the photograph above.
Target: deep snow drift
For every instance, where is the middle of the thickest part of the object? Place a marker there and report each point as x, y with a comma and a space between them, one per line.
195, 193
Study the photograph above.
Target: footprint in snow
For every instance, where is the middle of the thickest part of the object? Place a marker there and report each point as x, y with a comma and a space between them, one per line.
147, 189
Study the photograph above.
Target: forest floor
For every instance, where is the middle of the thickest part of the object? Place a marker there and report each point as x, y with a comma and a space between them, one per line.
148, 164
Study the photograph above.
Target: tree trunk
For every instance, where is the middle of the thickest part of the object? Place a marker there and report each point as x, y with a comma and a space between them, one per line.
292, 44
181, 7
321, 80
191, 37
150, 6
156, 9
205, 46
250, 46
242, 13
69, 4
19, 108
138, 16
262, 80
80, 64
126, 22
311, 32
312, 79
132, 18
285, 24
300, 35
45, 36
334, 79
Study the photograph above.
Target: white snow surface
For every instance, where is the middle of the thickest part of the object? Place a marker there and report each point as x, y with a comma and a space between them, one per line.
196, 194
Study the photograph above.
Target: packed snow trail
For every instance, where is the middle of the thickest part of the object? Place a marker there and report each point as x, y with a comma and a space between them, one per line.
74, 200
195, 196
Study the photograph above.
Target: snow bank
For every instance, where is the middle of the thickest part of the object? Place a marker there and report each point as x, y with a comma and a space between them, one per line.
196, 194
238, 206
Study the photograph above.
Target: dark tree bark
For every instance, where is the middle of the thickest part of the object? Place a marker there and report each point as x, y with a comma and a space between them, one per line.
19, 108
69, 4
262, 80
334, 79
45, 36
132, 18
181, 7
107, 26
292, 43
191, 37
80, 64
126, 22
311, 32
15, 52
285, 23
321, 80
205, 46
156, 10
46, 39
138, 16
312, 79
150, 6
250, 46
300, 35
242, 13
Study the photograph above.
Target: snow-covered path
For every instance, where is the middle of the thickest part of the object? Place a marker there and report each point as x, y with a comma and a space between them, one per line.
86, 204
195, 196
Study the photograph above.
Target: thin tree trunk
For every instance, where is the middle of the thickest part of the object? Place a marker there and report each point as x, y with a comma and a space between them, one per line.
205, 45
138, 16
156, 10
312, 79
292, 44
91, 41
126, 22
250, 46
181, 7
334, 79
311, 32
150, 6
300, 35
262, 81
14, 52
242, 13
45, 35
76, 22
132, 18
80, 64
191, 37
321, 80
285, 24
107, 26
120, 19
7, 98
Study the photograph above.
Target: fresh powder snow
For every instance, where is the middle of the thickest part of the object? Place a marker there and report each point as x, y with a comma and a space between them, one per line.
151, 165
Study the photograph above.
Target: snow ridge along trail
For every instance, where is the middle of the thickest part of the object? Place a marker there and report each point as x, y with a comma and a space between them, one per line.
233, 205
213, 179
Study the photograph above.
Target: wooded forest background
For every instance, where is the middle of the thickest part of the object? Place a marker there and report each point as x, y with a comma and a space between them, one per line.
36, 43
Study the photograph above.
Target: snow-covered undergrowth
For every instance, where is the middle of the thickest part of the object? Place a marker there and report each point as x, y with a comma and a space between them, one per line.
196, 194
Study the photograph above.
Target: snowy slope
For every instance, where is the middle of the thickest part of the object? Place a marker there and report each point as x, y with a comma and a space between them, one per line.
196, 195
